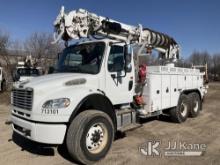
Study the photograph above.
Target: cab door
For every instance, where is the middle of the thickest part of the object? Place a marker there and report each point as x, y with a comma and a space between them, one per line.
119, 85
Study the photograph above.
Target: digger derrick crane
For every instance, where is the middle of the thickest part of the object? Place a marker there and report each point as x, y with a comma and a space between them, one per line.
80, 23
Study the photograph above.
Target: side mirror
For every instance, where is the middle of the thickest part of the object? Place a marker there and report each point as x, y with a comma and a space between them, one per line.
127, 57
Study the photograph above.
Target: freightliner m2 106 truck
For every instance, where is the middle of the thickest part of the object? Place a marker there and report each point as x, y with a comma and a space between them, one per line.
102, 85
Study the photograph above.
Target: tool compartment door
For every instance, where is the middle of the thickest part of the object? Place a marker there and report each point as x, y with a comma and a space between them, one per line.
165, 91
155, 92
181, 82
189, 81
174, 93
195, 82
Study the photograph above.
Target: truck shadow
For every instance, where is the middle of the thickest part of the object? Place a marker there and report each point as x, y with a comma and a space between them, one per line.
62, 150
49, 150
33, 147
165, 118
162, 118
40, 149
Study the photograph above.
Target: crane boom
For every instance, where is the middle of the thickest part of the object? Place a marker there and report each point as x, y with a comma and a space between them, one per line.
81, 23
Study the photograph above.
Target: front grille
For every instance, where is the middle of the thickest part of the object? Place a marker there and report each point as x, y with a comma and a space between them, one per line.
22, 98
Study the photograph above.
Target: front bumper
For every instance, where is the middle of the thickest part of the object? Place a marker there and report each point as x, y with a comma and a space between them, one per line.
39, 132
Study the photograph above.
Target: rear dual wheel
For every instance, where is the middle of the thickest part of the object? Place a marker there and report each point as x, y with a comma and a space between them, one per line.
180, 113
195, 104
188, 105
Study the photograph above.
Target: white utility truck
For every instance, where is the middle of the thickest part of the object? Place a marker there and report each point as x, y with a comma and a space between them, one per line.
2, 81
25, 70
102, 85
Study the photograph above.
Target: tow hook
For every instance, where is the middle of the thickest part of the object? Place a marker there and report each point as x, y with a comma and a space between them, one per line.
26, 132
8, 122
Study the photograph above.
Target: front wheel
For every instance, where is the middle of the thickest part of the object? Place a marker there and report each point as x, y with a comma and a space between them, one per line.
90, 136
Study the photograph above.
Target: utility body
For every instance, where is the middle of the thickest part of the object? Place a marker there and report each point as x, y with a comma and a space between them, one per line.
102, 85
25, 70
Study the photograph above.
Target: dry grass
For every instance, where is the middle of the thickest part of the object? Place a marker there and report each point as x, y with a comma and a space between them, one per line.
5, 98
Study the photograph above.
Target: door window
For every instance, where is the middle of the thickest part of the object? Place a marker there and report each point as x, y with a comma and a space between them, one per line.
116, 59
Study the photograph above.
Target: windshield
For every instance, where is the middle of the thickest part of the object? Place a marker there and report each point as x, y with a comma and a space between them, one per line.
84, 58
30, 72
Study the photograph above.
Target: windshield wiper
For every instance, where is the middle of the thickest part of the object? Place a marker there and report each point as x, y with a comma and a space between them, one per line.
67, 69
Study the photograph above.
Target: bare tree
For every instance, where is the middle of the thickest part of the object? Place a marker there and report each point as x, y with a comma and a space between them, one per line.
4, 55
39, 46
200, 58
213, 62
4, 43
18, 47
216, 66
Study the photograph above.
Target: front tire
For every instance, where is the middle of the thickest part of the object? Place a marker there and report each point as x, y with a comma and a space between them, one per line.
90, 136
180, 113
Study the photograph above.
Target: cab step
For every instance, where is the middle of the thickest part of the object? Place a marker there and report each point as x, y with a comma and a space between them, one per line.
130, 127
126, 119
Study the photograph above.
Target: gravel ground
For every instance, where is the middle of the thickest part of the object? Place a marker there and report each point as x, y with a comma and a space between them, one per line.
205, 129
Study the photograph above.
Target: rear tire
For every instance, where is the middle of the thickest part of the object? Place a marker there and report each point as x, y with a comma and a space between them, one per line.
90, 136
180, 113
195, 104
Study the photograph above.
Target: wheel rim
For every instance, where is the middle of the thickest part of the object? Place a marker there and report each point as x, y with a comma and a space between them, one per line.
183, 109
96, 138
196, 106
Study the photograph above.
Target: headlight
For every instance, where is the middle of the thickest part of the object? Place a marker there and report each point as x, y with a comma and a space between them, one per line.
57, 103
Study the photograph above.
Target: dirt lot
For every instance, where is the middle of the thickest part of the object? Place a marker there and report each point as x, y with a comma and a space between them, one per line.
125, 150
